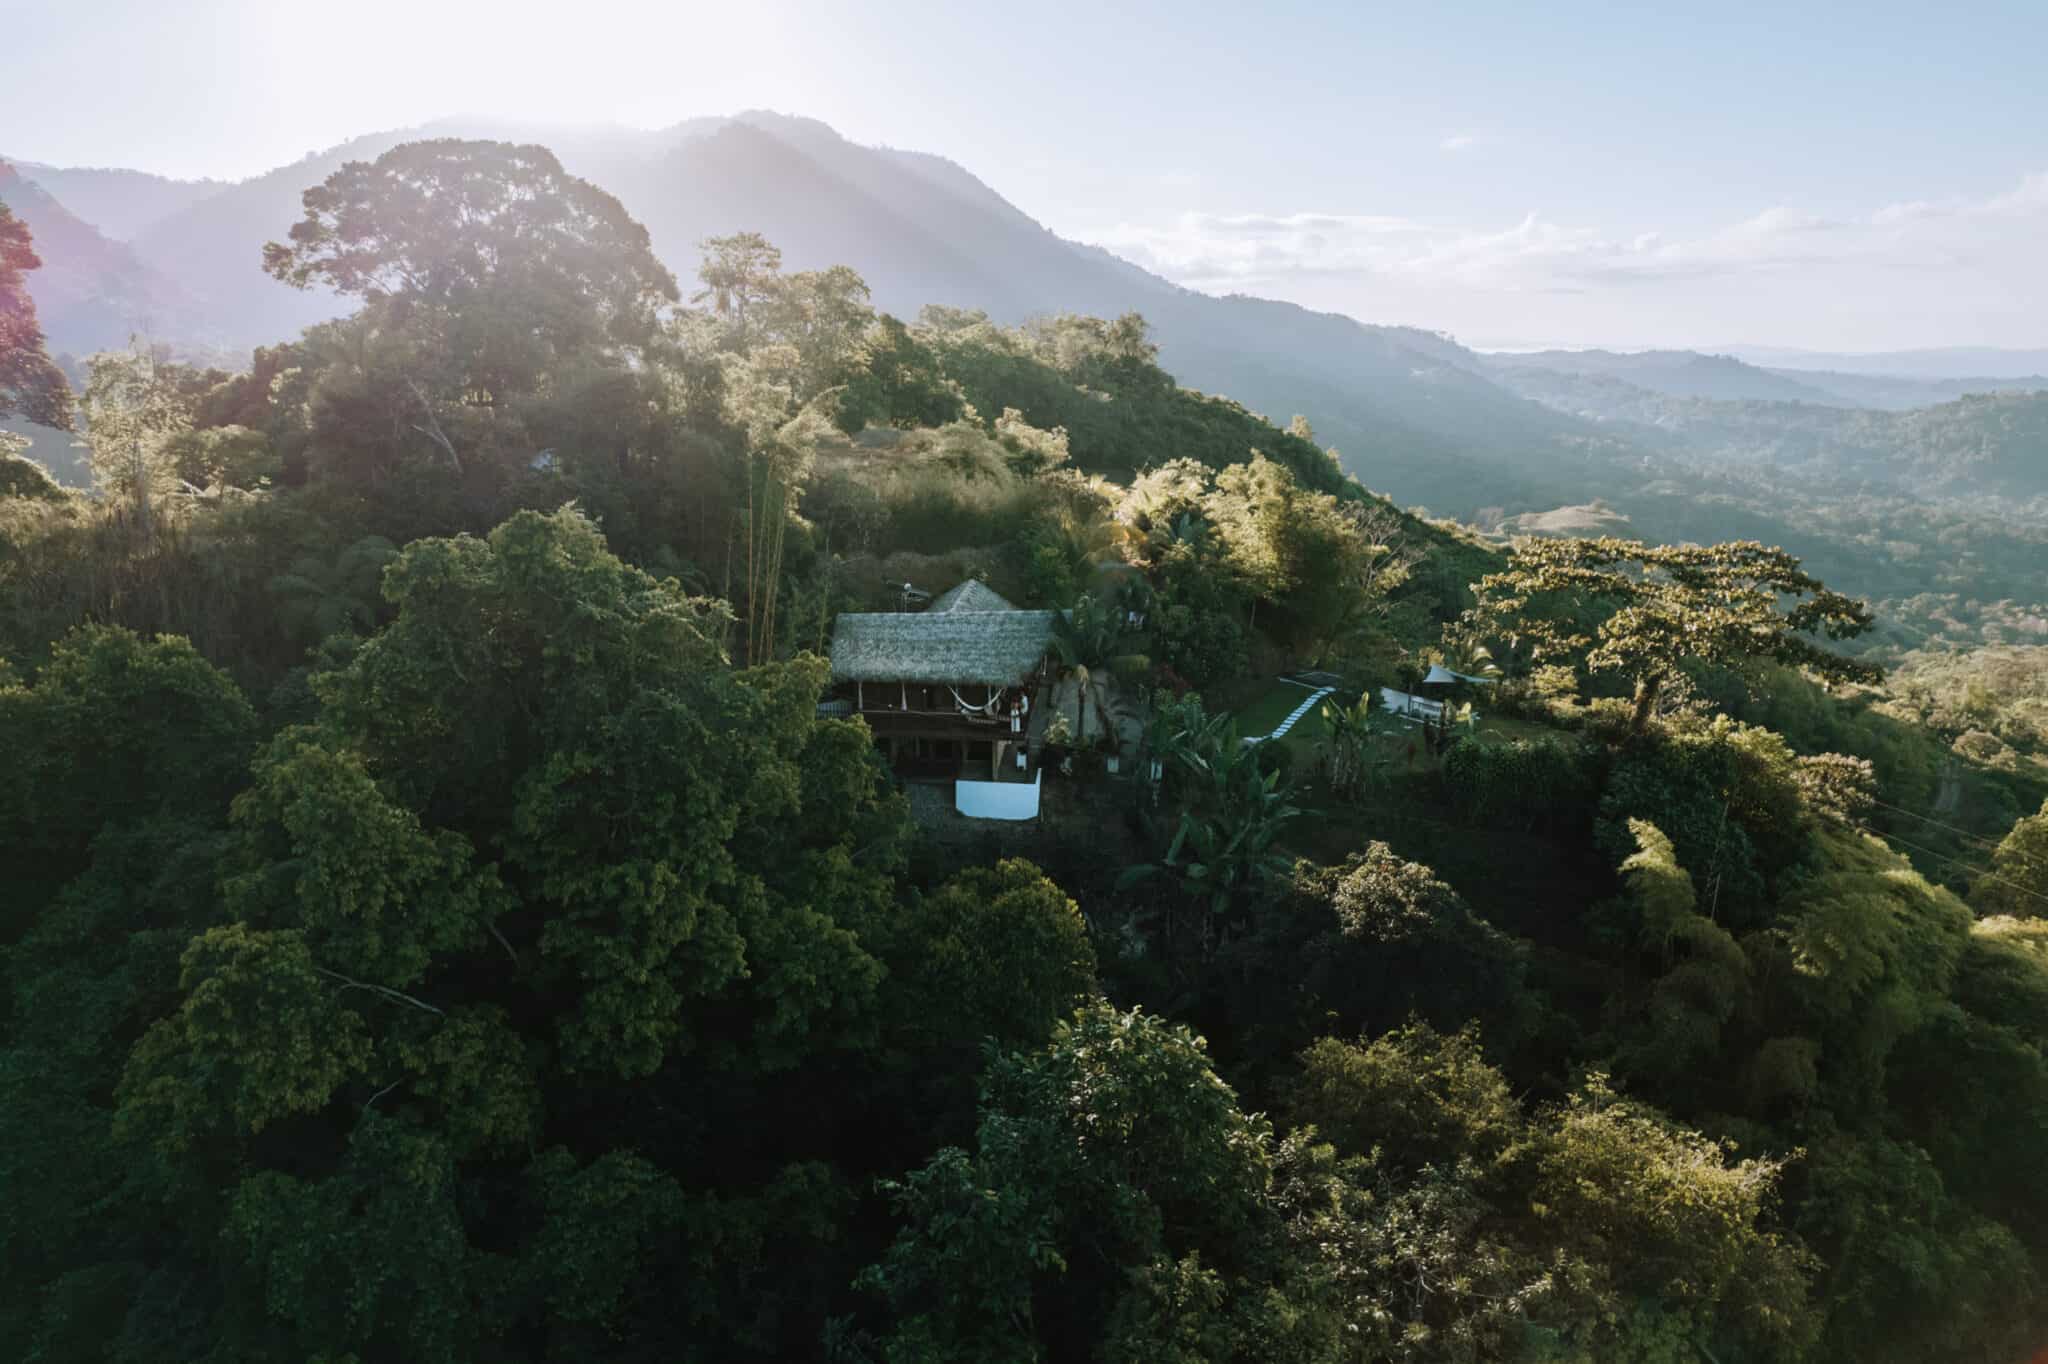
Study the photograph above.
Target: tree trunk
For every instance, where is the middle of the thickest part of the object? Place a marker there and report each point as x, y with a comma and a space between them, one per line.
142, 507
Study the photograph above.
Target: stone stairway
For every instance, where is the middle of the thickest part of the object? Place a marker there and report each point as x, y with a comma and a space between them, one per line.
1294, 716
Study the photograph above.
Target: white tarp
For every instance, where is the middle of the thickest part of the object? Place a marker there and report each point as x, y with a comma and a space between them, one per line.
998, 799
1404, 703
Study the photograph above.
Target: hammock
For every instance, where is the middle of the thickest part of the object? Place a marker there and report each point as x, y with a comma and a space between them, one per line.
986, 710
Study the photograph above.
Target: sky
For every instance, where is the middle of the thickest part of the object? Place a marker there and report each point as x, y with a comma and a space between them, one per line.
1858, 177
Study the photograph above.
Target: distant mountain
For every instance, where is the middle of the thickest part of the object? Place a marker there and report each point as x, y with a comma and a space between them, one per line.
1953, 362
1693, 374
120, 203
1680, 373
1984, 446
1415, 415
92, 292
1898, 393
1672, 445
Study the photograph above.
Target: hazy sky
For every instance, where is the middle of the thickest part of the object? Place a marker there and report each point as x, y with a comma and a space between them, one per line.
1855, 176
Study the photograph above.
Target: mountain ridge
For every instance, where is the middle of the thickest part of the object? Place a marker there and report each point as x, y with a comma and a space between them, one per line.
117, 201
92, 292
1412, 413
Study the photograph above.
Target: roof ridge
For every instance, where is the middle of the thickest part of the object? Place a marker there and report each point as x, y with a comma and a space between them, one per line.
967, 595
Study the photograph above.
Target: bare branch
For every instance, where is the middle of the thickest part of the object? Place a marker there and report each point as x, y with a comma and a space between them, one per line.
350, 984
432, 431
502, 942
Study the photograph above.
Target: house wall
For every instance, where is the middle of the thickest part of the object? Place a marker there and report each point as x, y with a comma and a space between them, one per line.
998, 799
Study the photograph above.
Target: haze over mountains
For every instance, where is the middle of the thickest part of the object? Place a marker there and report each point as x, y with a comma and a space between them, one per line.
1413, 413
1943, 362
1396, 401
1691, 374
92, 291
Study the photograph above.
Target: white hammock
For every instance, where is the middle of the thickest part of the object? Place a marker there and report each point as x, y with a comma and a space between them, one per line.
987, 709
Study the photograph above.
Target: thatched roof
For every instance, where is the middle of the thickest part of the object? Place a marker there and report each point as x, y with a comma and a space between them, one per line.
970, 634
971, 595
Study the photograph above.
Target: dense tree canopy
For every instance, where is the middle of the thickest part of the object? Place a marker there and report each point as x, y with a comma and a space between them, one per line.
442, 922
2016, 882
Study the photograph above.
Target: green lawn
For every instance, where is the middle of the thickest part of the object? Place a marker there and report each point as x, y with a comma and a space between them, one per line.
1269, 705
1508, 728
1258, 716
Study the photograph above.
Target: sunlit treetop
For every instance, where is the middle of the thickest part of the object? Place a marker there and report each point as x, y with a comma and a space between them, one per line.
437, 222
1658, 606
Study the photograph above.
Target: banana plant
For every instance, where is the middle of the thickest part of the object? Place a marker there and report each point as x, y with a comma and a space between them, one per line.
1350, 745
1232, 814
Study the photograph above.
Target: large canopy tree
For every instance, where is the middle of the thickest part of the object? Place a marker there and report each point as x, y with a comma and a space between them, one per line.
1659, 607
436, 224
30, 382
485, 270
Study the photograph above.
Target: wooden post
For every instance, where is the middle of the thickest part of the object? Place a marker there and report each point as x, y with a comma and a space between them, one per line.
860, 700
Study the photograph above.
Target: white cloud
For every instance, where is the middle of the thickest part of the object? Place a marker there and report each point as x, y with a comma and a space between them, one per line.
1253, 250
1458, 142
1957, 271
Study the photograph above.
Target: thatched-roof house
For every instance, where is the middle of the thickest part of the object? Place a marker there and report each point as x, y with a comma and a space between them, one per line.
953, 691
950, 642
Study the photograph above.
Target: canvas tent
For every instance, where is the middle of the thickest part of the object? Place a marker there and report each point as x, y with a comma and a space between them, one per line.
1439, 675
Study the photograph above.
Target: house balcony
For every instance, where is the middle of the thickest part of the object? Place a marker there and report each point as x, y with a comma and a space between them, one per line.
894, 721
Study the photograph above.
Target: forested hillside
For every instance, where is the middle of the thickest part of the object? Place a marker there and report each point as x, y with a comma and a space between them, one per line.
1934, 514
120, 203
1681, 374
1405, 409
1984, 447
443, 923
1692, 374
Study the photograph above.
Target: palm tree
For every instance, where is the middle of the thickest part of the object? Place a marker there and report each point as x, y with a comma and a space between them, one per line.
1086, 544
1468, 656
318, 597
1089, 640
